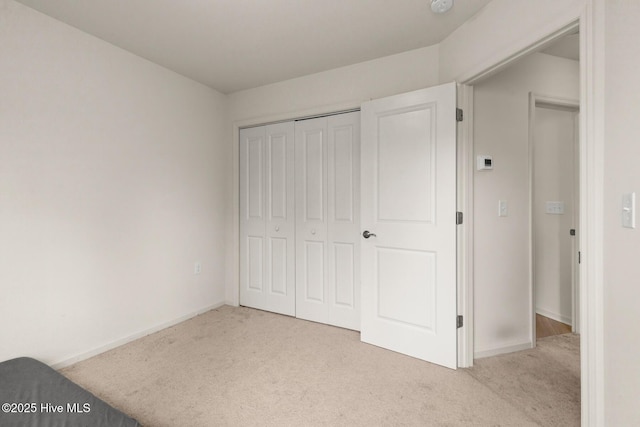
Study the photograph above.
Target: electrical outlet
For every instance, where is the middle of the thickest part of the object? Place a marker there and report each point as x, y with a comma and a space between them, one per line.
197, 268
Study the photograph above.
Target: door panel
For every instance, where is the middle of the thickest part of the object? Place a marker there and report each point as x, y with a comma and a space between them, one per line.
254, 260
254, 173
314, 268
409, 297
342, 173
311, 227
278, 252
327, 226
277, 166
408, 196
312, 145
267, 223
343, 217
344, 262
252, 218
280, 221
405, 185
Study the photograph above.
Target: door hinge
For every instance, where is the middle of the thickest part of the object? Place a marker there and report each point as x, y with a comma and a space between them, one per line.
579, 257
459, 114
459, 321
458, 218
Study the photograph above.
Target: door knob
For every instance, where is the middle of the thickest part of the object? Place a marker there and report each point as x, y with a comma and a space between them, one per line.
366, 234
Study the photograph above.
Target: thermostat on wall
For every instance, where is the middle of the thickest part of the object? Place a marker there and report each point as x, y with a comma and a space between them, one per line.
485, 163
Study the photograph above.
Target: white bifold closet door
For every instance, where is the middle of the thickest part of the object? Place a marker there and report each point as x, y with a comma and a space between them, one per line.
327, 177
267, 218
299, 219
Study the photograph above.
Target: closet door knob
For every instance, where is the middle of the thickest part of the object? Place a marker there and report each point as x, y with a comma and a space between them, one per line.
366, 234
277, 228
313, 232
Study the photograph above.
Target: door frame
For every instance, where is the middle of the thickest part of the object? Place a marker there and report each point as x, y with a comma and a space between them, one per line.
590, 21
542, 101
465, 230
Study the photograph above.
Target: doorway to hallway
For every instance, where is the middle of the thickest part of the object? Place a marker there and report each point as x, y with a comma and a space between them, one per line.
554, 201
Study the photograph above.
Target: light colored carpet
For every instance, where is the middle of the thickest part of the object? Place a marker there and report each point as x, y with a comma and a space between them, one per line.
543, 382
245, 367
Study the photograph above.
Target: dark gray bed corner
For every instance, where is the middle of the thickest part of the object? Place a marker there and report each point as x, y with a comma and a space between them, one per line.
50, 399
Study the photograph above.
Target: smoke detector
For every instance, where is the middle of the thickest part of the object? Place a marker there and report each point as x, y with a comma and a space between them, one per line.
441, 6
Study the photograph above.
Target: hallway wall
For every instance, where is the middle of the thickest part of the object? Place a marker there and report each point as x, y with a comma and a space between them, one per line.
503, 305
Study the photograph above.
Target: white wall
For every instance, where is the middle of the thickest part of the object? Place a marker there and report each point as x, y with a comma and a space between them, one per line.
332, 90
113, 181
554, 179
502, 300
345, 86
621, 245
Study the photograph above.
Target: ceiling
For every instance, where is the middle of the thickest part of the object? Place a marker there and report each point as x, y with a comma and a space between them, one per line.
231, 45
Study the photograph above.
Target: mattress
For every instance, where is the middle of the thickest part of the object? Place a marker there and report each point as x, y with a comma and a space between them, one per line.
33, 394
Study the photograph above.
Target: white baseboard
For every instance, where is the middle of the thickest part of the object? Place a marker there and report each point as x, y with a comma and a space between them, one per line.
555, 316
510, 348
117, 343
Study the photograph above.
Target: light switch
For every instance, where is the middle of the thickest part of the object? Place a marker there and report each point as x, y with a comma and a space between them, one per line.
502, 208
555, 208
629, 210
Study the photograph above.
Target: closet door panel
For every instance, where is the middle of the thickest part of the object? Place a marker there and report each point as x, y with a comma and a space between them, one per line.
252, 217
343, 225
267, 261
344, 290
311, 228
278, 280
280, 221
277, 174
313, 265
327, 220
254, 266
312, 148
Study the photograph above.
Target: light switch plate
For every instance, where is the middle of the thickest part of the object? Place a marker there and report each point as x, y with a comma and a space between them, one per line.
629, 210
555, 208
503, 208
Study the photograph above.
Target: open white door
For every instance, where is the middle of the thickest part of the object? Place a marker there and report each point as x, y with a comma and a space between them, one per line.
408, 204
